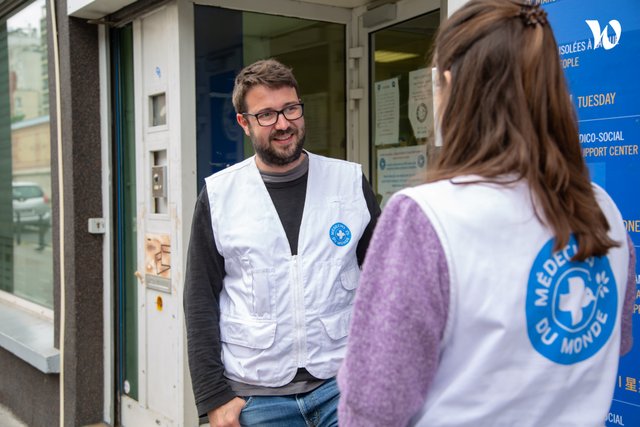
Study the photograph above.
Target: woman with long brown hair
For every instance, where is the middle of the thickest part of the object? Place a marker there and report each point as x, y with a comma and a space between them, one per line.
499, 293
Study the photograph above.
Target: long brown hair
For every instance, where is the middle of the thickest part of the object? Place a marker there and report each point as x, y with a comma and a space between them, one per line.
507, 110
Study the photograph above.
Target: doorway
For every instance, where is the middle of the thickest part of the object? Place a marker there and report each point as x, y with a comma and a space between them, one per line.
171, 77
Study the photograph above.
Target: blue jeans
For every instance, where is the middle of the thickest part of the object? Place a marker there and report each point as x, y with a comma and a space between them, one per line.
317, 408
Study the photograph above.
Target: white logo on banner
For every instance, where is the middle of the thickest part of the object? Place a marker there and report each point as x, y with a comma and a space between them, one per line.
602, 38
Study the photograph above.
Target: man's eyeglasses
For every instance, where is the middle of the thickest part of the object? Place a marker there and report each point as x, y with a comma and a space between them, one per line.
269, 118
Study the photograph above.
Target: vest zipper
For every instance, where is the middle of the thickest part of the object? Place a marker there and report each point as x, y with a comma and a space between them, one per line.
299, 322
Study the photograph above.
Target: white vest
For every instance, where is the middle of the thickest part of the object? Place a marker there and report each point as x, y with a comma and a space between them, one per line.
280, 312
532, 339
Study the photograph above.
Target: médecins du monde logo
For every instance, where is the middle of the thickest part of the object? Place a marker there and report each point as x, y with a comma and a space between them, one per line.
571, 307
339, 234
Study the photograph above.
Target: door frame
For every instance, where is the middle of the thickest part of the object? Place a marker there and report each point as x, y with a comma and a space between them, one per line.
405, 10
108, 251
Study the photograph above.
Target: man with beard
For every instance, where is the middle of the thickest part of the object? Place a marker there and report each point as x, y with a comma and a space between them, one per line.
274, 260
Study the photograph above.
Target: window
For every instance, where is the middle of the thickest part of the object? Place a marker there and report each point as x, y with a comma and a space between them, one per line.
26, 258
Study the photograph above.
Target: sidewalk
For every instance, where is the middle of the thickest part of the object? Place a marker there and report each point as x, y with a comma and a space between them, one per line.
7, 419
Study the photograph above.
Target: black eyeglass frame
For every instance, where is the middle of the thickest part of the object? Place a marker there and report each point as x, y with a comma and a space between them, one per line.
278, 112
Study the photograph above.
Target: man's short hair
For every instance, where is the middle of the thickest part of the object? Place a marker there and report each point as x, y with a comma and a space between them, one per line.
266, 72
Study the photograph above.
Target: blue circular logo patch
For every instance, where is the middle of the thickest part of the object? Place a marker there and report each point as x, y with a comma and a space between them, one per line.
340, 234
571, 306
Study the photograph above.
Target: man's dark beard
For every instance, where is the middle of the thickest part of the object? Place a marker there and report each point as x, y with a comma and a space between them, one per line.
273, 158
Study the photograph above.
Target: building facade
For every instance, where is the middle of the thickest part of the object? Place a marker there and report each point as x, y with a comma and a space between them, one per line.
113, 112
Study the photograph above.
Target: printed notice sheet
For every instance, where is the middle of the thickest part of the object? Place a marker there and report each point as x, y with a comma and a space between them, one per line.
387, 98
420, 104
399, 168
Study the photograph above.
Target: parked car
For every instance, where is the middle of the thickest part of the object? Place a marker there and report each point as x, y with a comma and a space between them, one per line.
31, 206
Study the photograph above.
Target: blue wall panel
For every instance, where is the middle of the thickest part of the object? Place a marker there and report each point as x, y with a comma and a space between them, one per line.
599, 45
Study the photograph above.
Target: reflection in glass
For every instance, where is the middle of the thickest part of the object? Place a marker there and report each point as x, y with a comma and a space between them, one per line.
26, 260
402, 131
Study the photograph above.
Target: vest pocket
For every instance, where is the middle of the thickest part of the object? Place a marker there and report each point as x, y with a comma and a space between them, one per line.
257, 334
349, 278
337, 325
259, 283
339, 295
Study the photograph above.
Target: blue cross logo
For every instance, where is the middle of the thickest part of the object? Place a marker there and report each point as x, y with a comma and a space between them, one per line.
340, 234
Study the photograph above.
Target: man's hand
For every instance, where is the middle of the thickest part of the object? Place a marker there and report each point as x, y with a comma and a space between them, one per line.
227, 415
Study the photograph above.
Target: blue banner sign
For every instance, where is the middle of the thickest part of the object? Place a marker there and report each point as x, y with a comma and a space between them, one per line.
599, 46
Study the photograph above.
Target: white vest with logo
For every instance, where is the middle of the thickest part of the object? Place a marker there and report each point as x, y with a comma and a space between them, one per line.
280, 312
532, 339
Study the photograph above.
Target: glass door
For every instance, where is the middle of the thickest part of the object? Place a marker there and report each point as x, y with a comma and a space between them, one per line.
228, 40
401, 132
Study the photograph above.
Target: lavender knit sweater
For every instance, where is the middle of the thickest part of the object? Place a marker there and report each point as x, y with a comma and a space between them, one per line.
399, 318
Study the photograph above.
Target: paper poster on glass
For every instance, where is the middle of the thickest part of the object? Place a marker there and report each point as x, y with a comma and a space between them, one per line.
420, 103
399, 168
387, 97
598, 44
